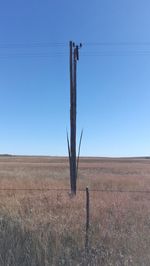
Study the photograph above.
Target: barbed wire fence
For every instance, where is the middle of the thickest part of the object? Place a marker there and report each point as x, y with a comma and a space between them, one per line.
88, 198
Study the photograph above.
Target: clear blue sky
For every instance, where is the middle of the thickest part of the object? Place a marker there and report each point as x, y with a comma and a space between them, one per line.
113, 89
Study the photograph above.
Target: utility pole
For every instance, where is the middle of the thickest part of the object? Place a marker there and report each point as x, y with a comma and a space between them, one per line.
74, 57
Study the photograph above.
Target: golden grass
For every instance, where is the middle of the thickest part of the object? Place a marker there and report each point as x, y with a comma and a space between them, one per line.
50, 226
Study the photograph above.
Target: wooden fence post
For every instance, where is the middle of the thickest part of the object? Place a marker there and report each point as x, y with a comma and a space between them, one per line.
87, 218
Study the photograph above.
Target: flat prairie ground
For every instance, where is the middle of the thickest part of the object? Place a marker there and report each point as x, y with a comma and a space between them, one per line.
47, 227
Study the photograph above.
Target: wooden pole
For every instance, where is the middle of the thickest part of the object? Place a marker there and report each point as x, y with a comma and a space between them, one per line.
73, 170
73, 123
87, 218
74, 56
71, 116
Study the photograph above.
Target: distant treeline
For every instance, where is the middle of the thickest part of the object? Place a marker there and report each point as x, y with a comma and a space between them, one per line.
5, 155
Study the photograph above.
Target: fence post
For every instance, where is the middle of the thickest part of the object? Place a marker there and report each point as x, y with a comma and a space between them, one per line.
87, 218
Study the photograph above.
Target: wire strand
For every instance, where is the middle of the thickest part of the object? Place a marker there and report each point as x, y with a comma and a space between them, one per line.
79, 190
32, 45
117, 43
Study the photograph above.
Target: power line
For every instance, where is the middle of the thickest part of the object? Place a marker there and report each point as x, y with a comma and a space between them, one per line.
85, 54
63, 44
34, 55
63, 53
32, 45
102, 54
117, 43
116, 53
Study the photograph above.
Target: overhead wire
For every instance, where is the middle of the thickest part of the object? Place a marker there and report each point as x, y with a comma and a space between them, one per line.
117, 43
58, 49
31, 55
63, 44
32, 45
85, 54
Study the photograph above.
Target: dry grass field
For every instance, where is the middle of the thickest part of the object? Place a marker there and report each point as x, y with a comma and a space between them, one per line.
44, 228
